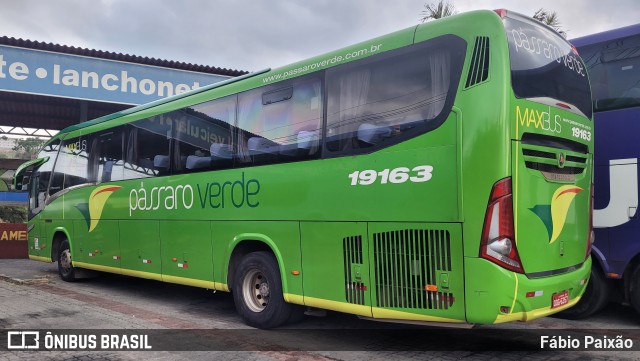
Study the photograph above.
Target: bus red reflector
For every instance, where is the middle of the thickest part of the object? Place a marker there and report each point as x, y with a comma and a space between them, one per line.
562, 105
574, 49
534, 294
431, 288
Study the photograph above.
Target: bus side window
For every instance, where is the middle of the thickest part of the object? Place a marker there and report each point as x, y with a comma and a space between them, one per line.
204, 136
280, 122
373, 101
72, 167
110, 162
306, 127
147, 150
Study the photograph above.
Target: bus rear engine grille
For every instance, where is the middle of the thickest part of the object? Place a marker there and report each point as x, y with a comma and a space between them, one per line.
407, 264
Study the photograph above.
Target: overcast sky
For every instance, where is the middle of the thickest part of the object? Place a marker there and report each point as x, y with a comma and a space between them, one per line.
256, 34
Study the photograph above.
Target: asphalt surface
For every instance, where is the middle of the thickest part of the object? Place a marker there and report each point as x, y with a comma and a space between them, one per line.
178, 318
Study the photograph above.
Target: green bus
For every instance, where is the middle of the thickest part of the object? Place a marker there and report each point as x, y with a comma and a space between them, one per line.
441, 173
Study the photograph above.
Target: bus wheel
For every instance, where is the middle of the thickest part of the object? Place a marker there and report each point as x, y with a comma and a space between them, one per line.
634, 289
594, 298
257, 291
65, 268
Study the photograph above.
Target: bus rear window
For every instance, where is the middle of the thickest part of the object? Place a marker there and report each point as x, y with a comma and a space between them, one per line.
544, 65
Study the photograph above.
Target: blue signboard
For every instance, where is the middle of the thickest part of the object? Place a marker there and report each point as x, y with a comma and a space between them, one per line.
71, 76
14, 197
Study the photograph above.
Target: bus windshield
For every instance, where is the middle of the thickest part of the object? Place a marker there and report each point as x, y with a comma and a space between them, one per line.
544, 65
614, 68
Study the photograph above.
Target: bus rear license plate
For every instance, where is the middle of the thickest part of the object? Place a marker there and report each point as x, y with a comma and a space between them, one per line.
559, 299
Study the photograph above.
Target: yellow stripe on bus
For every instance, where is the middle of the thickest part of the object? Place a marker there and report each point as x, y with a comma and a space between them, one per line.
366, 311
41, 259
155, 276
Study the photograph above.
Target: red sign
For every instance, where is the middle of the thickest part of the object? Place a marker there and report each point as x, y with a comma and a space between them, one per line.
13, 240
13, 232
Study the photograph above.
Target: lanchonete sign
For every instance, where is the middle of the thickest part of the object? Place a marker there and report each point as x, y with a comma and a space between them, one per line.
72, 76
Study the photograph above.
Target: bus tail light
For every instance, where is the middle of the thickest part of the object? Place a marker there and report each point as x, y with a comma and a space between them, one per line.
501, 12
498, 236
574, 49
591, 237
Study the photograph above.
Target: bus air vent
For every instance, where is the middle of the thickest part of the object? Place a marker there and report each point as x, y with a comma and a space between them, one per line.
479, 68
543, 153
407, 264
354, 287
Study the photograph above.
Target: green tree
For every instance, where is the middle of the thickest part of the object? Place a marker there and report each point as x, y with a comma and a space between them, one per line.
28, 146
13, 214
551, 19
437, 11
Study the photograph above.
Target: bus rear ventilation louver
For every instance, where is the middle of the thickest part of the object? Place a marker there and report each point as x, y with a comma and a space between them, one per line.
407, 264
479, 68
541, 154
579, 163
550, 168
354, 287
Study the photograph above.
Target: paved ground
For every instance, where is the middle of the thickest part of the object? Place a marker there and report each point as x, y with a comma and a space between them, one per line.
32, 297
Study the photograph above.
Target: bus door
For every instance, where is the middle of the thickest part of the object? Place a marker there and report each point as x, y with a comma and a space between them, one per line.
336, 266
36, 184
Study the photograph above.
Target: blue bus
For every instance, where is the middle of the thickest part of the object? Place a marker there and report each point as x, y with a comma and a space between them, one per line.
613, 63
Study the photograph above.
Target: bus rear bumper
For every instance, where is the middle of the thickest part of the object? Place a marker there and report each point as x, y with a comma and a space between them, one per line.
496, 295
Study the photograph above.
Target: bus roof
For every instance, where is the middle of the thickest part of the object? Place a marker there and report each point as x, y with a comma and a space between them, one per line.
407, 35
606, 35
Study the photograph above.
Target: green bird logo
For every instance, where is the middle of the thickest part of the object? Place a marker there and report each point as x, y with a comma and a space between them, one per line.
92, 211
554, 215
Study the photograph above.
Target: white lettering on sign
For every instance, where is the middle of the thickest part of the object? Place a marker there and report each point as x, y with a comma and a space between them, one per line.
122, 81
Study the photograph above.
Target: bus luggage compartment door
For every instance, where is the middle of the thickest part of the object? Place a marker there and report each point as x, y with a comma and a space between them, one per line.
417, 271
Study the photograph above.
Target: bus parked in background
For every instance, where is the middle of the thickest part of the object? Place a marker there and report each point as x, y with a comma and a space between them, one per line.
613, 63
441, 173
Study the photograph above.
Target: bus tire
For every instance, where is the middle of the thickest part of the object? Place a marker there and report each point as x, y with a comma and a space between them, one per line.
65, 267
594, 298
257, 291
634, 289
